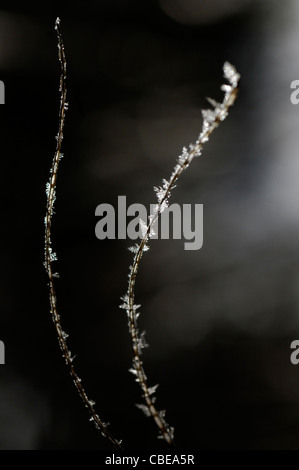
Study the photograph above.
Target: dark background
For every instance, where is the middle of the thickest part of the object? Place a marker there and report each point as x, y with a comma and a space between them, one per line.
219, 320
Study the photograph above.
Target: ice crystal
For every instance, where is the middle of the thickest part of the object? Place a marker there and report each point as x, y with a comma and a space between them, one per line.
152, 390
133, 371
142, 341
125, 305
164, 205
208, 115
226, 88
160, 193
141, 344
57, 22
48, 187
53, 257
143, 227
71, 358
152, 232
211, 120
170, 431
213, 102
134, 248
231, 74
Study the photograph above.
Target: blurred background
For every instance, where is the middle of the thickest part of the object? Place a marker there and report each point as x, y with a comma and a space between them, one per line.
220, 320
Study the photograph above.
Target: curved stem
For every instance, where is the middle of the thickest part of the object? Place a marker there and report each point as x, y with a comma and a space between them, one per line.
50, 257
211, 120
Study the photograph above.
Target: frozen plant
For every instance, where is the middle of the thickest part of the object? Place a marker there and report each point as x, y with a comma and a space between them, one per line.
51, 257
211, 120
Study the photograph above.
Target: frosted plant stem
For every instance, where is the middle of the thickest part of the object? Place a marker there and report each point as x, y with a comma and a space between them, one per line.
211, 120
50, 257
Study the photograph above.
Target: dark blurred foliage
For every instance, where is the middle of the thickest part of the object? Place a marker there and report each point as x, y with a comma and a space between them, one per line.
219, 320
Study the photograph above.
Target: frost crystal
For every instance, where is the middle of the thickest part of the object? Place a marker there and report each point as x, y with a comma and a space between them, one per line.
133, 371
125, 305
164, 205
213, 102
144, 408
142, 341
64, 335
226, 88
134, 248
143, 227
53, 257
57, 22
71, 357
152, 232
152, 390
208, 115
231, 74
171, 432
165, 183
160, 193
48, 187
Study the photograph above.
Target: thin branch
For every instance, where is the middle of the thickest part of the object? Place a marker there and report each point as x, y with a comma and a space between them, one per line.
211, 120
50, 256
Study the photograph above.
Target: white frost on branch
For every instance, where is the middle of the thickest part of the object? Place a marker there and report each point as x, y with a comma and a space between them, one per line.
211, 120
51, 256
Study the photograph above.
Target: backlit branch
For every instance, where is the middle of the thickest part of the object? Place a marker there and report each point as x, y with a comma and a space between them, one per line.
50, 255
211, 120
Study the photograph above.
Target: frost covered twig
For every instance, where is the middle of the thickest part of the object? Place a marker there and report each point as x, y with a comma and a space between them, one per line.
50, 256
211, 120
